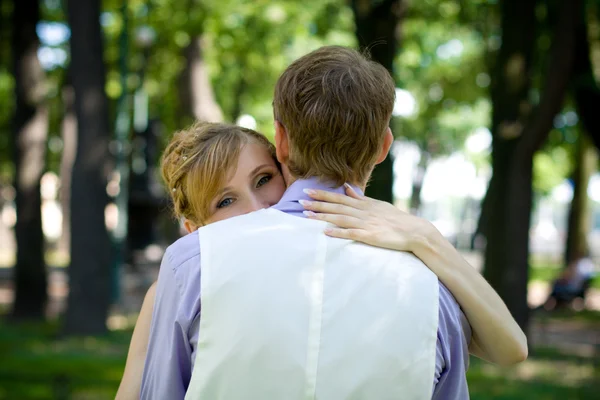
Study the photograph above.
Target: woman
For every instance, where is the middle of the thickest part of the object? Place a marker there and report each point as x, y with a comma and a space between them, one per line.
206, 169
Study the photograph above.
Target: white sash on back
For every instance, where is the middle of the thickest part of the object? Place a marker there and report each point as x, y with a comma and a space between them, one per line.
288, 313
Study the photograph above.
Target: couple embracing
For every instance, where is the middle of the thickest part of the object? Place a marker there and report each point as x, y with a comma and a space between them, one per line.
291, 284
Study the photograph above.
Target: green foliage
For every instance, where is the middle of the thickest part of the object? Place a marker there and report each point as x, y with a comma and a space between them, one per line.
555, 161
550, 168
248, 44
252, 45
6, 92
446, 48
446, 73
7, 106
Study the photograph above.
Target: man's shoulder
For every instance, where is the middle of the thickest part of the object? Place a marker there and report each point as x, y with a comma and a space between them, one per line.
452, 361
181, 266
185, 249
452, 318
397, 258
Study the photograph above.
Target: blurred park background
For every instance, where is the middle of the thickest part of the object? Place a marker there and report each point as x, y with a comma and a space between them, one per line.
497, 123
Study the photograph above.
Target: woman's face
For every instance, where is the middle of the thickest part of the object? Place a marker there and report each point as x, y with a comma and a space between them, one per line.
256, 184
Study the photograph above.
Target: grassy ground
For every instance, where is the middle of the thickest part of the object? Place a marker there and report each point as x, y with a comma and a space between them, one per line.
37, 365
545, 376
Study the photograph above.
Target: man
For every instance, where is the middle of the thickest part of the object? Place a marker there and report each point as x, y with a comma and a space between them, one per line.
287, 312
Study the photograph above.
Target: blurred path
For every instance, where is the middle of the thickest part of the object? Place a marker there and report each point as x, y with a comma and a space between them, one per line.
134, 283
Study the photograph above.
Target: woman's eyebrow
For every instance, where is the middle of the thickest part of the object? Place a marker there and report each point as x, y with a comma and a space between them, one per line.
255, 170
224, 190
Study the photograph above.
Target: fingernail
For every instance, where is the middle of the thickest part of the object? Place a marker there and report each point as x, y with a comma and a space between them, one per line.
309, 191
305, 203
347, 186
309, 213
328, 230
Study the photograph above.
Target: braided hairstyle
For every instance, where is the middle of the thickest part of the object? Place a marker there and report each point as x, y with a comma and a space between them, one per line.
198, 162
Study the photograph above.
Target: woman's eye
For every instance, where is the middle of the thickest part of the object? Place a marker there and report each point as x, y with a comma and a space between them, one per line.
264, 180
225, 203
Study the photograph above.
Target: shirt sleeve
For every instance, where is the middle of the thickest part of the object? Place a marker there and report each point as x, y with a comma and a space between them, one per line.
167, 369
452, 358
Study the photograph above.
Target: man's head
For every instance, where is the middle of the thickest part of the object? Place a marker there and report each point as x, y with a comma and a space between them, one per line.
332, 110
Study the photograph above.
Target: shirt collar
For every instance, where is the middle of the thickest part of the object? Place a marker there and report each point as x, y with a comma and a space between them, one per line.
289, 201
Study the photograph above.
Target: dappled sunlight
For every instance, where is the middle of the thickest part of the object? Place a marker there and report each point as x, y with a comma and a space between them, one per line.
565, 373
38, 365
121, 322
542, 379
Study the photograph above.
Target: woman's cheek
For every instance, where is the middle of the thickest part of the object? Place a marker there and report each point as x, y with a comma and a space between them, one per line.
224, 213
276, 190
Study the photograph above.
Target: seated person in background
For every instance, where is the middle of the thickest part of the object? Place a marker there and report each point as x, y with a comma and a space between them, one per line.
572, 284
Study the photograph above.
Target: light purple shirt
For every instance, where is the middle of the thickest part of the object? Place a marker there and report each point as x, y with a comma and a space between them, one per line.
176, 320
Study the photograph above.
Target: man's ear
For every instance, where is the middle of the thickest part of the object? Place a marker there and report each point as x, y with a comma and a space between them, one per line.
387, 144
282, 147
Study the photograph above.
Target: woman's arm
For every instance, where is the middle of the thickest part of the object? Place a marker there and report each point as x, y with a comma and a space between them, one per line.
497, 337
130, 386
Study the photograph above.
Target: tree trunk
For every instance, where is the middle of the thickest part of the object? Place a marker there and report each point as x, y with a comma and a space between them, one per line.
197, 97
580, 218
89, 272
69, 137
586, 90
485, 211
587, 98
30, 130
236, 110
507, 251
511, 81
378, 30
417, 183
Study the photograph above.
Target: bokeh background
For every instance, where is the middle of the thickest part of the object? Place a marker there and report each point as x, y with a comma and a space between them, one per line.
497, 121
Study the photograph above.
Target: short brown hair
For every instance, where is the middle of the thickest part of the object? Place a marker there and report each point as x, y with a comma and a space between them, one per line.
196, 164
335, 104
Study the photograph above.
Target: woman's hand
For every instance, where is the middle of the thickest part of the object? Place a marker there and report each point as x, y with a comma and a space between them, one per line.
369, 221
496, 335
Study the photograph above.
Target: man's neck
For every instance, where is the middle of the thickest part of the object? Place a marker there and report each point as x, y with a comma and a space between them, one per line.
287, 177
290, 179
290, 202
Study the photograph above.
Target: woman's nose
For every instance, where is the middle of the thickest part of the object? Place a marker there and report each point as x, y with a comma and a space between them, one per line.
257, 204
260, 203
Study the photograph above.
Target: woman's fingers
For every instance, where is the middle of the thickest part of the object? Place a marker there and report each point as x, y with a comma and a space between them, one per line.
336, 198
368, 237
352, 193
342, 221
351, 234
330, 208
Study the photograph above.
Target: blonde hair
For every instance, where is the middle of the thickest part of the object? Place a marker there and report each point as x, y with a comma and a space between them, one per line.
196, 164
335, 104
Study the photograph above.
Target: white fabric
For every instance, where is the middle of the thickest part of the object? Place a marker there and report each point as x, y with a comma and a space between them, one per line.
289, 313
